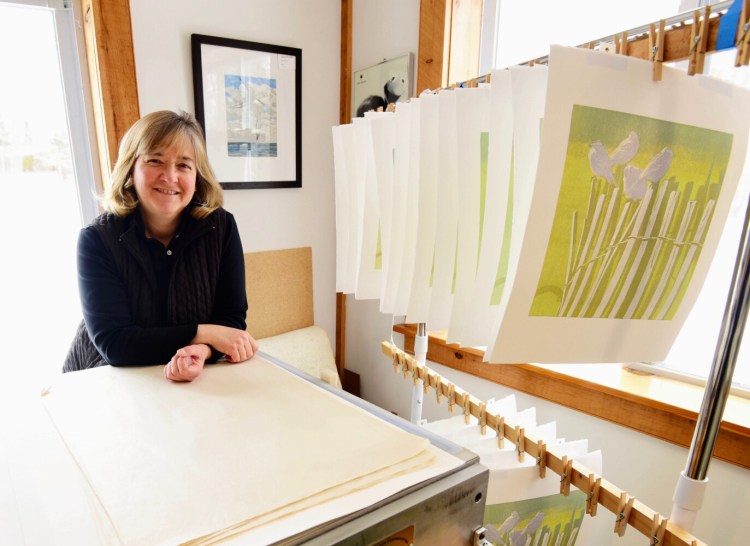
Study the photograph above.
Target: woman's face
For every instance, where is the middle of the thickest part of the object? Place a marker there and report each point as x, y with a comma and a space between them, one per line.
165, 181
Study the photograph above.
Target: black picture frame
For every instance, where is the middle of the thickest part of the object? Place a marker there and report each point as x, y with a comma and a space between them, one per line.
248, 100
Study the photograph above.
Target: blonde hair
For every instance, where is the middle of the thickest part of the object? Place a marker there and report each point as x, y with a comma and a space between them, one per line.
161, 130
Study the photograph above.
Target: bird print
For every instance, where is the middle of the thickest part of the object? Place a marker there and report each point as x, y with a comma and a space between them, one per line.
626, 150
600, 162
634, 185
658, 166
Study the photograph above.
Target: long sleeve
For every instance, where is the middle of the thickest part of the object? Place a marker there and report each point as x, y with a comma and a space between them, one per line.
230, 308
106, 312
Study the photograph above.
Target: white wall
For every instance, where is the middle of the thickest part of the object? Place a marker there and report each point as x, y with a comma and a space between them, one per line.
268, 218
644, 466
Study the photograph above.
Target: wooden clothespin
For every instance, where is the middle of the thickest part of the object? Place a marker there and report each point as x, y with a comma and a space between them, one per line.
483, 418
520, 443
592, 499
658, 528
466, 404
396, 360
438, 389
656, 47
621, 43
451, 397
488, 78
623, 513
500, 430
415, 372
567, 474
743, 37
541, 458
425, 374
391, 107
698, 41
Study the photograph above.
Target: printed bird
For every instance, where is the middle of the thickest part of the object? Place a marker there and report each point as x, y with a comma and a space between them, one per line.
600, 162
634, 185
626, 150
658, 165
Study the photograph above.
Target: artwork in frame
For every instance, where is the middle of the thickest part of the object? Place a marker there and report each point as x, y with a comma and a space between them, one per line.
248, 99
385, 83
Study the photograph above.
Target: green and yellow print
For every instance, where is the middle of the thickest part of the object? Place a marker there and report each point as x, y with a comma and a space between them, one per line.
635, 204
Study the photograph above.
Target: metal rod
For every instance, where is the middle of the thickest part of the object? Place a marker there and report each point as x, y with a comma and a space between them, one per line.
725, 359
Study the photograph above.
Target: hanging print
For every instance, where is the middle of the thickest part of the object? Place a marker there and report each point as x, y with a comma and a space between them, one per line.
632, 216
633, 186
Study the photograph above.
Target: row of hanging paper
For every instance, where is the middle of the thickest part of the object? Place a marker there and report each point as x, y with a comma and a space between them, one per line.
561, 213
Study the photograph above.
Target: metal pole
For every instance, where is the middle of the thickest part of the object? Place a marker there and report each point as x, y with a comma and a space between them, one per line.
691, 486
420, 353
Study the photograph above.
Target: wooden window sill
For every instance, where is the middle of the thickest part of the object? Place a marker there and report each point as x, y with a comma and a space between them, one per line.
661, 407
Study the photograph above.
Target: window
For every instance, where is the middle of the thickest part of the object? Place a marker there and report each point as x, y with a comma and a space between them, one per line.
46, 176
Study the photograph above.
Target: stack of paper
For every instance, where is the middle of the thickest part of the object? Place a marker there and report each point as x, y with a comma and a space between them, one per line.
241, 448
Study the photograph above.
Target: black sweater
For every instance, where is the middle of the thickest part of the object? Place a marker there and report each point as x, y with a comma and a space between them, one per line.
141, 302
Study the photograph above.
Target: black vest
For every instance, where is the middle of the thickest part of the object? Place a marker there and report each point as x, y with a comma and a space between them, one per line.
191, 292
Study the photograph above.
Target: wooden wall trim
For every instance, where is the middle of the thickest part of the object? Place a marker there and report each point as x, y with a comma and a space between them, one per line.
645, 415
111, 64
434, 44
345, 112
345, 93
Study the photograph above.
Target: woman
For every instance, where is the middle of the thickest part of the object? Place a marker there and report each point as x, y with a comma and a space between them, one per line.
161, 273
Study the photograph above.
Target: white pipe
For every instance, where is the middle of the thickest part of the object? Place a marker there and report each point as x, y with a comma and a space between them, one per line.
687, 499
420, 353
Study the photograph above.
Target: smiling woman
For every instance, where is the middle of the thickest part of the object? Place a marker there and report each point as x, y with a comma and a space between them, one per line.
161, 274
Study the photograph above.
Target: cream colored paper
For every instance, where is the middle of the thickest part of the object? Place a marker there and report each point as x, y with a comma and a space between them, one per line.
483, 315
472, 121
402, 220
424, 252
441, 301
173, 462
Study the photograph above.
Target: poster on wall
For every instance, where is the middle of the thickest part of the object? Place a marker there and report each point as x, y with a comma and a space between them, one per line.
385, 83
633, 188
248, 99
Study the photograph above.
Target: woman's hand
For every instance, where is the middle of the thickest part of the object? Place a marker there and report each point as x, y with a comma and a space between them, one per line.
236, 344
187, 363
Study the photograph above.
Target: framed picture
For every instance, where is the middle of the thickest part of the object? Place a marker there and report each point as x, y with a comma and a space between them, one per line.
383, 84
248, 99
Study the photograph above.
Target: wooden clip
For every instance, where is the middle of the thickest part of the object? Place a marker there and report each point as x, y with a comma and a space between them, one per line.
483, 418
415, 372
567, 474
592, 499
743, 37
520, 443
656, 47
466, 404
396, 360
623, 513
541, 458
698, 41
438, 389
658, 528
391, 107
621, 43
451, 397
405, 362
488, 78
500, 430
